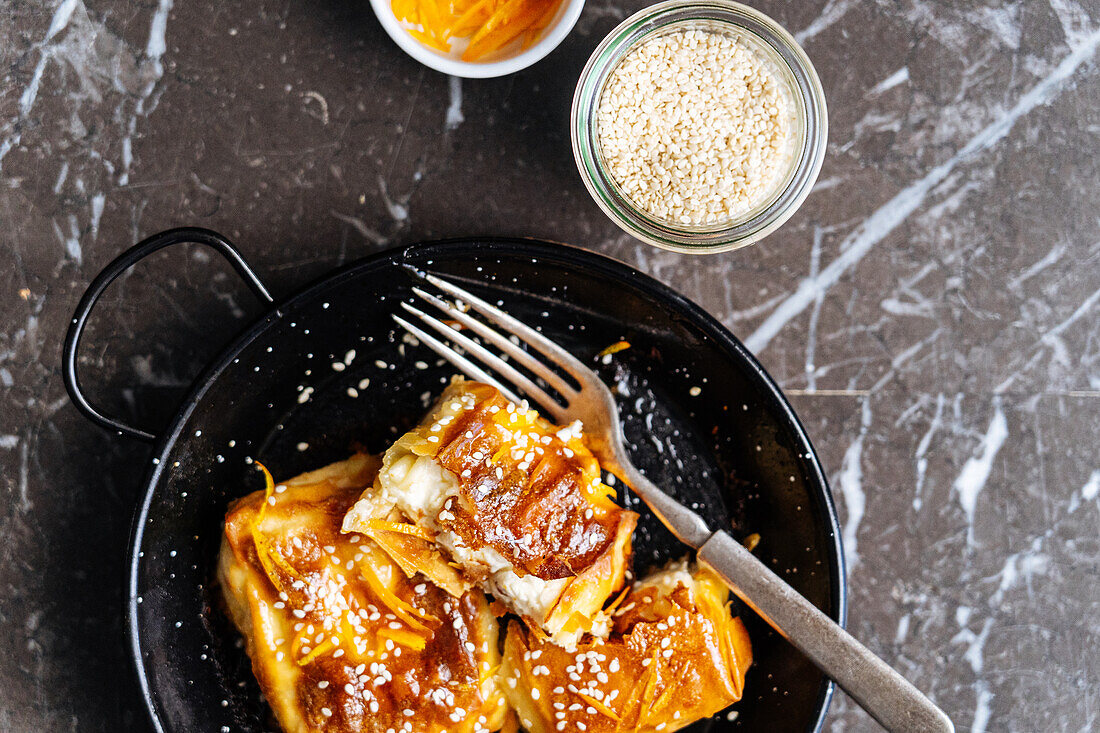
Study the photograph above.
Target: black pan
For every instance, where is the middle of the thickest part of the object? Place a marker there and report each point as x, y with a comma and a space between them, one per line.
735, 448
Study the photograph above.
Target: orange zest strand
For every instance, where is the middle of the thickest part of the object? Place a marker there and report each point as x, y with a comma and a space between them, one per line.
404, 637
600, 707
269, 557
404, 611
649, 690
374, 525
618, 600
322, 648
486, 672
615, 348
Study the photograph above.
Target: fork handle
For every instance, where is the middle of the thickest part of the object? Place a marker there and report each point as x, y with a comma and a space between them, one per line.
890, 699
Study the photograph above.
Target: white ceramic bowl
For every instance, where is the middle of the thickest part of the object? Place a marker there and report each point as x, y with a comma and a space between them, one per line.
508, 60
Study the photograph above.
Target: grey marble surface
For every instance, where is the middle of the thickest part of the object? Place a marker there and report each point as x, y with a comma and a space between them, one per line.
932, 310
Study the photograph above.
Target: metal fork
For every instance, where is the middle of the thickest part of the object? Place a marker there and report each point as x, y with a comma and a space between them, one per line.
879, 689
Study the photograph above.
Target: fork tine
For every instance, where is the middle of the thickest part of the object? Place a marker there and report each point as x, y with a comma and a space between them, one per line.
541, 343
489, 359
541, 370
463, 364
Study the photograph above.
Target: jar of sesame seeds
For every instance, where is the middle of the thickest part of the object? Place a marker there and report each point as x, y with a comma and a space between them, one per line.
699, 126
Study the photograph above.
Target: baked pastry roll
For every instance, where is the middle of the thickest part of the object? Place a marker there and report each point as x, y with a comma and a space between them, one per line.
339, 637
516, 503
674, 656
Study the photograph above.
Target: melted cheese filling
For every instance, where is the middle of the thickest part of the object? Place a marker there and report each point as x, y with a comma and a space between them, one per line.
420, 488
666, 580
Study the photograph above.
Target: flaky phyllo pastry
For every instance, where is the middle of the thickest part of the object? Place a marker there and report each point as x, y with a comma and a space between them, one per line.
674, 655
339, 637
361, 588
516, 503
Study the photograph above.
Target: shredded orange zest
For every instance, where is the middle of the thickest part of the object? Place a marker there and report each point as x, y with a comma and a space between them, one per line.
615, 603
599, 494
486, 672
428, 40
752, 541
615, 348
323, 648
490, 25
516, 419
404, 611
404, 637
374, 525
600, 707
648, 691
268, 556
663, 700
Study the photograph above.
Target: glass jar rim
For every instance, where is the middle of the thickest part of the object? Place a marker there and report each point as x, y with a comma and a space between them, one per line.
809, 98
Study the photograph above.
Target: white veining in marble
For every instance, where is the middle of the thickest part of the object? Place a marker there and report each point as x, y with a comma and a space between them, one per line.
454, 107
898, 77
887, 217
921, 454
833, 11
851, 487
933, 310
975, 473
1092, 487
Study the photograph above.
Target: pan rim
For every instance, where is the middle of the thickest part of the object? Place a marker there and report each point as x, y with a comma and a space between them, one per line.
474, 246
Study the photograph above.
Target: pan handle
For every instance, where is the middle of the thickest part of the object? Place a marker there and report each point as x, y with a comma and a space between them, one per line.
109, 274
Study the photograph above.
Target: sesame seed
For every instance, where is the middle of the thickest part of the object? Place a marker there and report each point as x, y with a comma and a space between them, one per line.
696, 127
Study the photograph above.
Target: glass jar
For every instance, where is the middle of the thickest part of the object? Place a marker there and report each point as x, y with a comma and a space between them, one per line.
785, 57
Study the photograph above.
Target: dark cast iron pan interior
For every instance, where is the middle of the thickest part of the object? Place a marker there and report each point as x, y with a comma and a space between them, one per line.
735, 450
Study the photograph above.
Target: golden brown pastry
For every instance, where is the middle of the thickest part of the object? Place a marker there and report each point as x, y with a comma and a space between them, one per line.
516, 503
675, 655
340, 638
